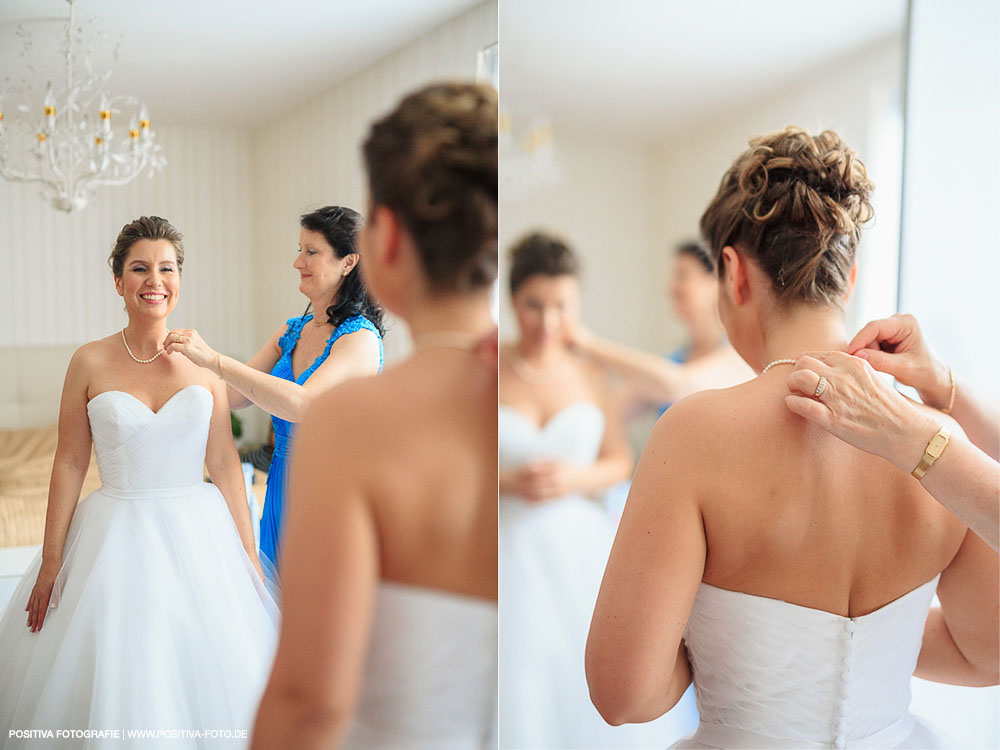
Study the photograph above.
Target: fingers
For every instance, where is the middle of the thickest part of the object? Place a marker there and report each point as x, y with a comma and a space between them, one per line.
883, 361
813, 362
809, 408
890, 330
803, 382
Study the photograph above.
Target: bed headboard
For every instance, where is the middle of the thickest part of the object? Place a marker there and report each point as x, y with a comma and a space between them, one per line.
31, 381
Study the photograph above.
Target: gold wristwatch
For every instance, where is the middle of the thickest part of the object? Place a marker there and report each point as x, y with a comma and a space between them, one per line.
933, 452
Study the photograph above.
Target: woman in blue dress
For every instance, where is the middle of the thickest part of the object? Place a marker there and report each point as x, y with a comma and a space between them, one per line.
706, 361
304, 356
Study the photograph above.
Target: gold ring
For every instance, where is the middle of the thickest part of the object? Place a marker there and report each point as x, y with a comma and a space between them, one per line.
820, 387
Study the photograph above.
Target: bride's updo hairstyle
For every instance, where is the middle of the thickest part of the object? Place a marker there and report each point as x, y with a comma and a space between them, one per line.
145, 228
539, 253
794, 203
433, 161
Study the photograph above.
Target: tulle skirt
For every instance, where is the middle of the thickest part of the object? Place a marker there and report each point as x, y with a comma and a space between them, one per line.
552, 560
158, 629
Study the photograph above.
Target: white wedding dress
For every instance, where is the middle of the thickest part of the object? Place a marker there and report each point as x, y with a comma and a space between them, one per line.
158, 621
771, 674
552, 557
430, 680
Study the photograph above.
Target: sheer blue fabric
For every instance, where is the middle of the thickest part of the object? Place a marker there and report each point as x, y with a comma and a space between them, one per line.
270, 523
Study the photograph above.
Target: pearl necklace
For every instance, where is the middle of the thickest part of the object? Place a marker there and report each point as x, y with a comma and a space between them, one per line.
536, 375
444, 340
140, 361
778, 362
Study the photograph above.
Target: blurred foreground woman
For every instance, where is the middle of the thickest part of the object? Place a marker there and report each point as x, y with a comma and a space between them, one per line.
389, 632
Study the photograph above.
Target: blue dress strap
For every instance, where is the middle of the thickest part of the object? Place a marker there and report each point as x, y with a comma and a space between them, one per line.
291, 335
353, 325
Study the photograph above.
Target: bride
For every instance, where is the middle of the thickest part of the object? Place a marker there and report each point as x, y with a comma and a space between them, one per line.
389, 630
146, 606
785, 572
562, 441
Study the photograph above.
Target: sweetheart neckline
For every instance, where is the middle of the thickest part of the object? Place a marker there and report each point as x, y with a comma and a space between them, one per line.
826, 611
144, 404
541, 427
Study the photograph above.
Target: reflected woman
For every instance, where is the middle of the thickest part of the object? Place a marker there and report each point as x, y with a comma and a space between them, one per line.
787, 573
305, 356
562, 443
706, 361
389, 631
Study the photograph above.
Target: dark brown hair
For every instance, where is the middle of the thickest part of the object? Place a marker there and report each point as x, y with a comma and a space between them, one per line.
699, 252
433, 161
339, 226
145, 228
540, 253
795, 203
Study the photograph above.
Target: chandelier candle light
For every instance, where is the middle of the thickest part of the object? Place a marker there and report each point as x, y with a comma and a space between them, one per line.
66, 141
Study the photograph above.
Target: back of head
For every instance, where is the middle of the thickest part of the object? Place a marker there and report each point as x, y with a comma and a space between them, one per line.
795, 203
433, 161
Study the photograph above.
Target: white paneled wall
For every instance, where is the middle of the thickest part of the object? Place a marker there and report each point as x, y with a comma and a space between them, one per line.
56, 287
311, 156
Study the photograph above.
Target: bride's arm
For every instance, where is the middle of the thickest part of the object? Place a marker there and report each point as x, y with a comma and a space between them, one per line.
69, 468
223, 462
961, 643
330, 568
635, 662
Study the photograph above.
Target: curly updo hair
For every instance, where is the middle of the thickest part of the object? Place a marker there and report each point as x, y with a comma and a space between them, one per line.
795, 203
144, 228
540, 253
433, 161
339, 227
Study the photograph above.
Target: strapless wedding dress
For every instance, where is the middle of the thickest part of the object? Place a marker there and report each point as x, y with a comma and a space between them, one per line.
158, 627
770, 674
430, 680
552, 557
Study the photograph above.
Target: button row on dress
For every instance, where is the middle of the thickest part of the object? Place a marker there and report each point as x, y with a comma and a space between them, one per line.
840, 718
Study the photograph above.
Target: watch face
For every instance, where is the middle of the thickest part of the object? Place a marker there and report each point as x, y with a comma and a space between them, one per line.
937, 444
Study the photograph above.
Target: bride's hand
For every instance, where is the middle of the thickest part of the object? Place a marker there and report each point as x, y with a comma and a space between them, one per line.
859, 407
38, 602
545, 480
576, 336
189, 342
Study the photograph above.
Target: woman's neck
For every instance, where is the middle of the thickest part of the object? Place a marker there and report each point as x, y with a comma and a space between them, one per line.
540, 355
807, 329
145, 337
464, 314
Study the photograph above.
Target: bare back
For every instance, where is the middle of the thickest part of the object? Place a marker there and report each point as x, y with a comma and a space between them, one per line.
433, 479
792, 513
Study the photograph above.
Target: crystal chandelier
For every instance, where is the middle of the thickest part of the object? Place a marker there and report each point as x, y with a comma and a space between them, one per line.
63, 139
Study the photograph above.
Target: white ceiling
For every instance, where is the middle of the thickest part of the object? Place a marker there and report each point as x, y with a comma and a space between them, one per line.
645, 66
237, 62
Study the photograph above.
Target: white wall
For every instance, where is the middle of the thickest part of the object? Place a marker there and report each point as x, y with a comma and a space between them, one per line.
951, 263
859, 98
951, 260
602, 206
311, 156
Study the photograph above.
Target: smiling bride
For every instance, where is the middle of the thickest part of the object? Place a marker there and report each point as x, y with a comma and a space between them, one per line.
146, 606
